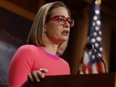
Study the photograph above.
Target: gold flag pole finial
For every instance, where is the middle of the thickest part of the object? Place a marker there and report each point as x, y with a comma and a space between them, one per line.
99, 2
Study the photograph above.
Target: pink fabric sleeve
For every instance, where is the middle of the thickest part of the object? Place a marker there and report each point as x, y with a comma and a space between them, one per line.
19, 67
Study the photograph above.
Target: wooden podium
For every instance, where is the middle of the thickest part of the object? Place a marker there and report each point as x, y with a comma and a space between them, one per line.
91, 80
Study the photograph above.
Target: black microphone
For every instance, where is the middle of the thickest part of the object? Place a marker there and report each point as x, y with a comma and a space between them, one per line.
91, 47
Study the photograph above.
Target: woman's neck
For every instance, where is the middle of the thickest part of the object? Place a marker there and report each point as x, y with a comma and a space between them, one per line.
52, 49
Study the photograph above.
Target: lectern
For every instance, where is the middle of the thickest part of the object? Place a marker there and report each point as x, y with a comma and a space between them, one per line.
91, 80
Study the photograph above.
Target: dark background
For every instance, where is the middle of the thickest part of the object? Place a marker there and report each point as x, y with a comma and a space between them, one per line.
14, 29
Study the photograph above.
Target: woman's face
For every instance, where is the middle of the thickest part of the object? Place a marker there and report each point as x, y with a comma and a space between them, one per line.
57, 27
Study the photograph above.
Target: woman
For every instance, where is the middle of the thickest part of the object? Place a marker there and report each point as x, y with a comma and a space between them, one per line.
38, 58
62, 48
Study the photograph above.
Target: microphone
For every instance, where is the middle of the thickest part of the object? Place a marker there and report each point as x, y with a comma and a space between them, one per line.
91, 47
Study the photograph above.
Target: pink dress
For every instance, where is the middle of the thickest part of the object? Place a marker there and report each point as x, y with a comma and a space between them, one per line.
29, 58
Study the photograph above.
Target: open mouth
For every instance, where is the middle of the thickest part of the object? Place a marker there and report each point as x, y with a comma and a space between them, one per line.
65, 32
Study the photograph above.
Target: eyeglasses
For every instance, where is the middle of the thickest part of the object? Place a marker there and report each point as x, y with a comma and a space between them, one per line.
62, 20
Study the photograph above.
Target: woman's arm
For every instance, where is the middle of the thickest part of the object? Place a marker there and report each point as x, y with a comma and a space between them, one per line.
20, 66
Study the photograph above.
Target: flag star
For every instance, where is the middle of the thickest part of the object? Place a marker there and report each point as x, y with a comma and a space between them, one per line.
90, 52
98, 39
98, 22
101, 49
100, 33
95, 50
97, 11
93, 40
95, 18
93, 23
96, 2
96, 45
97, 28
95, 34
99, 55
93, 56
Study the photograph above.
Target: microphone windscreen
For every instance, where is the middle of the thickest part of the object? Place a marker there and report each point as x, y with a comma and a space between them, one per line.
89, 46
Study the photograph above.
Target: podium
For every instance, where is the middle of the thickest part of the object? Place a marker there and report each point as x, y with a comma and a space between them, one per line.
91, 80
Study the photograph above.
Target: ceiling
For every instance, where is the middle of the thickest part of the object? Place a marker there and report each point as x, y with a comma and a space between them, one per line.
107, 7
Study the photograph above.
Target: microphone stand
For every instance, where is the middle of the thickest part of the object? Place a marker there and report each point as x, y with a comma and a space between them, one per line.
90, 47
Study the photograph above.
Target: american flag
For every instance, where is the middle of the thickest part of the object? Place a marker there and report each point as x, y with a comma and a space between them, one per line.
90, 63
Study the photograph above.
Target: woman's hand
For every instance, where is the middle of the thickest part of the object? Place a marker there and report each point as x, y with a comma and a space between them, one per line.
37, 75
